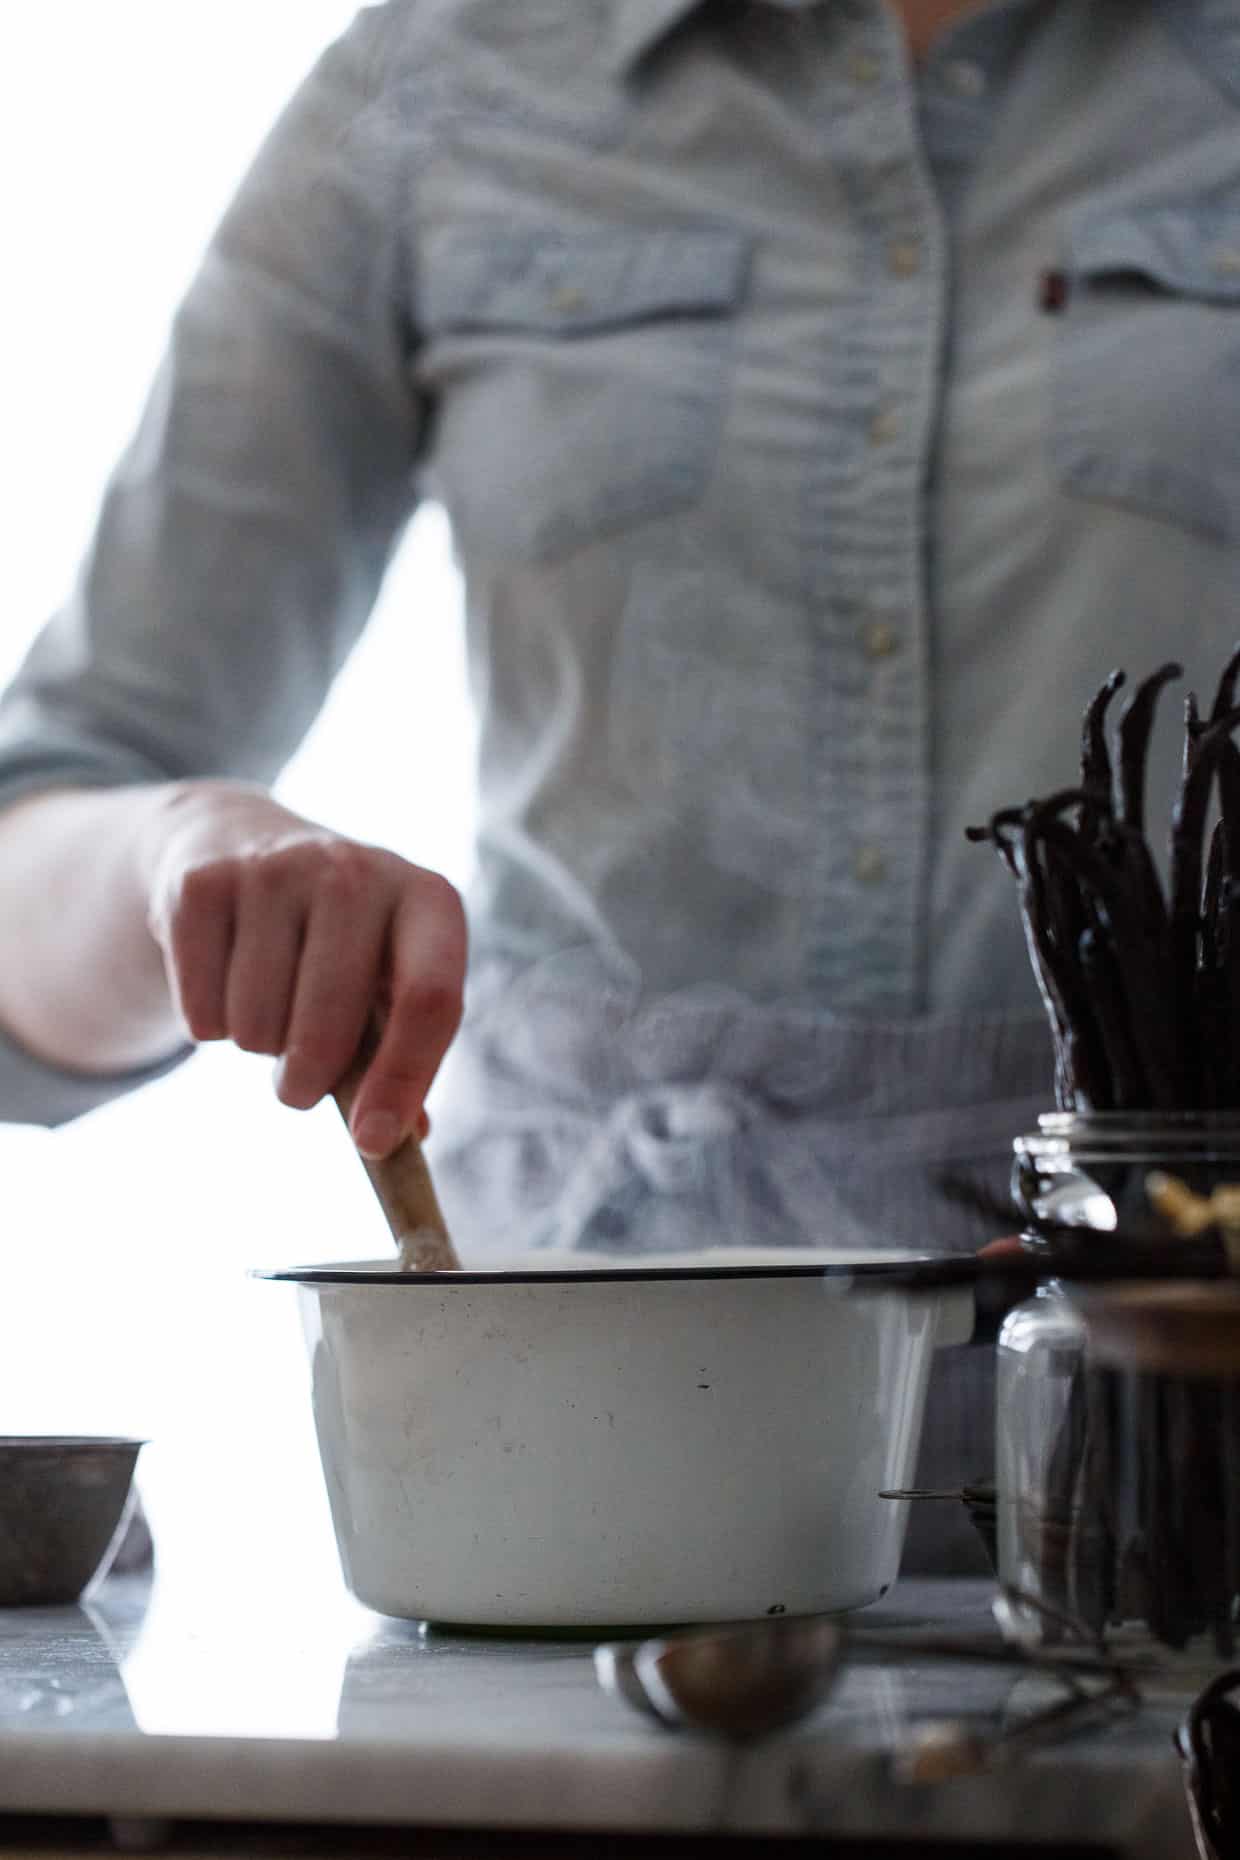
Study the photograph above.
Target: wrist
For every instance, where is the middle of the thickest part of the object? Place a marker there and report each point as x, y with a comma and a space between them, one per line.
177, 810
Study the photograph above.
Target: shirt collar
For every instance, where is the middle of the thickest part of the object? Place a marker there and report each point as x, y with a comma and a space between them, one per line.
637, 25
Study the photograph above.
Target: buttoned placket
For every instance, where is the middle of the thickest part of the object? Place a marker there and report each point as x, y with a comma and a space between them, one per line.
958, 83
872, 770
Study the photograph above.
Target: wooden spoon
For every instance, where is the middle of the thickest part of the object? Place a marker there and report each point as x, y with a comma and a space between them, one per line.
402, 1181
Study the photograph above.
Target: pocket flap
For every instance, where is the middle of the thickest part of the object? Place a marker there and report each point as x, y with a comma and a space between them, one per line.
1193, 251
575, 283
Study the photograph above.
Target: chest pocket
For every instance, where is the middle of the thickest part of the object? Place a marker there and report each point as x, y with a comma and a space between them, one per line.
578, 381
1147, 366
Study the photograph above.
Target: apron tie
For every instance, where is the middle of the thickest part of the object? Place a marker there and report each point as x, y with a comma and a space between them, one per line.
573, 1114
676, 1141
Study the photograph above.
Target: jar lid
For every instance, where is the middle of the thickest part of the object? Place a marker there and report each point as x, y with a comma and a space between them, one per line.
1134, 1135
1092, 1177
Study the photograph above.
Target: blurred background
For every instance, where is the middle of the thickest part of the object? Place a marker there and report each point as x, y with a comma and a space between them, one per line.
127, 1237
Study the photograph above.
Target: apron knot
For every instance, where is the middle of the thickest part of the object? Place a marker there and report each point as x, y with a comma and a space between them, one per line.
669, 1129
674, 1142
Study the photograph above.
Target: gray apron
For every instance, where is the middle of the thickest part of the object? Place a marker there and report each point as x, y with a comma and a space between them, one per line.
573, 1113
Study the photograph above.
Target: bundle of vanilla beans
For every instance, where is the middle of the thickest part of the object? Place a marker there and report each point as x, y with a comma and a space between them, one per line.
1138, 1515
1142, 988
1138, 1518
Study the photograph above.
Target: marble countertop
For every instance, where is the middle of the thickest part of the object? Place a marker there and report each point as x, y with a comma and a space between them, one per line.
167, 1701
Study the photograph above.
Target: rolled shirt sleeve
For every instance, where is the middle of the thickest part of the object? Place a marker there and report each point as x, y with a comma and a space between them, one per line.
34, 1093
244, 535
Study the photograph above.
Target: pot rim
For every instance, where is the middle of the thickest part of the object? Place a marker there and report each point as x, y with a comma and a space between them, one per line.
871, 1269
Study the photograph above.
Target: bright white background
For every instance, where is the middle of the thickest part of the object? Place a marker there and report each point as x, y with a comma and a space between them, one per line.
126, 1238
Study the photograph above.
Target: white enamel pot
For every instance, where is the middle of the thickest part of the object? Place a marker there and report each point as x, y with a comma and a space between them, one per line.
564, 1445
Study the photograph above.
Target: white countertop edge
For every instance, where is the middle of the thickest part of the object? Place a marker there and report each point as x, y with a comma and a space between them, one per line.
677, 1785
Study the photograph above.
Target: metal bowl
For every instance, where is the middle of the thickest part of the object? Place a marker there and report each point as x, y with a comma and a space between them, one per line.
63, 1503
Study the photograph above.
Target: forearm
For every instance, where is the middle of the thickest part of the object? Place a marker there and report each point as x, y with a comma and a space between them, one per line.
82, 979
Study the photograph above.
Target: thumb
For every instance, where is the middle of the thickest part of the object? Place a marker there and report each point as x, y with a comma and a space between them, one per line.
378, 1133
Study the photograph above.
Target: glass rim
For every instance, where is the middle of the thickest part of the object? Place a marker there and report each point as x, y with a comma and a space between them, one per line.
1143, 1120
1131, 1134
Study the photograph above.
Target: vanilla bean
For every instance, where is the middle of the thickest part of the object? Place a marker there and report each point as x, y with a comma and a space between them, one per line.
1096, 776
1188, 830
1229, 802
1155, 1475
1055, 1538
1229, 1467
996, 833
1127, 1087
1092, 1545
1229, 939
1128, 904
1211, 953
1135, 727
1225, 694
1055, 918
1206, 1482
1192, 727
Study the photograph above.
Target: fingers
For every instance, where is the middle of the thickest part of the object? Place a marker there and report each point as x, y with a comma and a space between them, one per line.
196, 936
288, 940
427, 958
342, 960
266, 951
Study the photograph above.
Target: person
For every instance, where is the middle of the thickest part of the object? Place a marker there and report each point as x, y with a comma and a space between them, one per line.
824, 395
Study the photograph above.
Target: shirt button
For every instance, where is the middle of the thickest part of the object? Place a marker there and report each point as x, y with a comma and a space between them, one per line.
964, 77
869, 865
884, 426
864, 68
567, 298
903, 258
880, 640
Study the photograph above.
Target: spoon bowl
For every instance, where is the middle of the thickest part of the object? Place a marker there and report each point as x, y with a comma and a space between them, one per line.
739, 1683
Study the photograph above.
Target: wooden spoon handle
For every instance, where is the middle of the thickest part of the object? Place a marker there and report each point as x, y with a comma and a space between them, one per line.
402, 1182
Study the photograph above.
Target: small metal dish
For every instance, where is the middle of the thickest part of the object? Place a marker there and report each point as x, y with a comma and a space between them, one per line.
64, 1503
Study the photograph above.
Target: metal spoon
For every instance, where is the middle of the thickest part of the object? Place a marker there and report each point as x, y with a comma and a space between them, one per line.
737, 1682
746, 1681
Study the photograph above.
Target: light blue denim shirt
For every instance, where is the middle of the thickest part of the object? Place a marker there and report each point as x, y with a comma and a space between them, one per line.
796, 530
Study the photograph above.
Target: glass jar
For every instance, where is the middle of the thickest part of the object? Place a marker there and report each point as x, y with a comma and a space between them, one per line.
1118, 1485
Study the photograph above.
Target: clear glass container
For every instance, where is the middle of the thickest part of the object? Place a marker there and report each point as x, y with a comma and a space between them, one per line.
1118, 1488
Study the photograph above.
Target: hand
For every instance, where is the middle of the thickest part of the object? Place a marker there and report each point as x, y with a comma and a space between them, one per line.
286, 938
